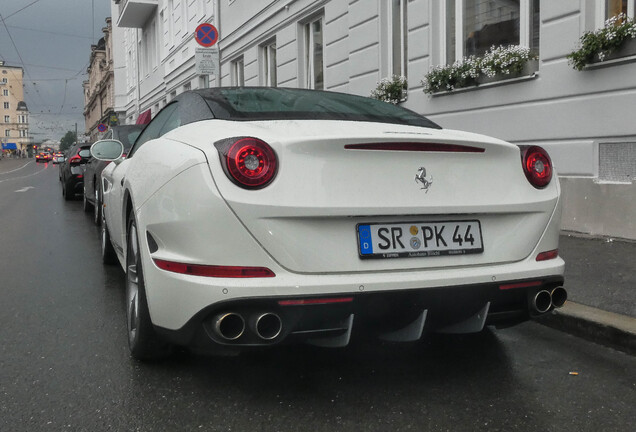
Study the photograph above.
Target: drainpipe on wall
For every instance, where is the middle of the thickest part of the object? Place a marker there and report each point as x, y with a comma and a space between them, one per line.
138, 72
217, 24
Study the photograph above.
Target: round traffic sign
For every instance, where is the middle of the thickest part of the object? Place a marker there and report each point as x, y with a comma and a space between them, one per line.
206, 35
102, 127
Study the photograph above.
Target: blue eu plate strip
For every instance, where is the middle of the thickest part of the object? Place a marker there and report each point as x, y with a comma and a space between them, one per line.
364, 235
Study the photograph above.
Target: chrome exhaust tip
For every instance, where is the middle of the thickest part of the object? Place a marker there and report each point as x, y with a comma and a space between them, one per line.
542, 301
230, 326
559, 296
267, 326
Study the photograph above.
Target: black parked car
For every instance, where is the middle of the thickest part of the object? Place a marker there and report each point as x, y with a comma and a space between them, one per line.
127, 134
72, 170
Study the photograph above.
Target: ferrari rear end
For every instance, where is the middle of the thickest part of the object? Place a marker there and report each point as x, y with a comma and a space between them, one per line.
316, 230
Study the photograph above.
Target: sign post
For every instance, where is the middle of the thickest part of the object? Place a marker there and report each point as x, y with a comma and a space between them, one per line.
207, 56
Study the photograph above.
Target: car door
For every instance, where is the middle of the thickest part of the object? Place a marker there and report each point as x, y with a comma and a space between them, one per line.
115, 178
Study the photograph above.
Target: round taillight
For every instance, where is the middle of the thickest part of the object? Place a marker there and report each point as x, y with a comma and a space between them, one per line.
537, 166
249, 162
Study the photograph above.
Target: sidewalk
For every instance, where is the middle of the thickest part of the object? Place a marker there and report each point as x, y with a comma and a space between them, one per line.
600, 276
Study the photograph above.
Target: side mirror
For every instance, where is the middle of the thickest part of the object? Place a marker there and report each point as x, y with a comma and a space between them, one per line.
108, 150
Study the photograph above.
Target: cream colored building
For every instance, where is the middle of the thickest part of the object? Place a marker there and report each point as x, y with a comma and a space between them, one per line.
14, 115
99, 89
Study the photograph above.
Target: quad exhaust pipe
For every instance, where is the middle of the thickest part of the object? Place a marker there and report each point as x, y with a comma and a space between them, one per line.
267, 326
544, 299
230, 325
559, 296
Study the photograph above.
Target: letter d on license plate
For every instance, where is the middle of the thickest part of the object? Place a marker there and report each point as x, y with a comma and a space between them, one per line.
419, 239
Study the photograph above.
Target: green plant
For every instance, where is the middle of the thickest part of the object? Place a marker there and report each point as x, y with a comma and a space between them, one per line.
505, 60
600, 43
502, 60
392, 90
462, 73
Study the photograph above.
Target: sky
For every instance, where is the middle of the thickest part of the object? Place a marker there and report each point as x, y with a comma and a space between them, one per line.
51, 40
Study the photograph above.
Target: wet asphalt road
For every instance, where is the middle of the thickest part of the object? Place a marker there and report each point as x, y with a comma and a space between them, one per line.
64, 363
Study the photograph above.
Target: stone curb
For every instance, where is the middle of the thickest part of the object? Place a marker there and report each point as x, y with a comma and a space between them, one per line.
596, 325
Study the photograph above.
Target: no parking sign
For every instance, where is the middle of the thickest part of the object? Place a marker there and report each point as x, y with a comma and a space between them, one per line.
206, 35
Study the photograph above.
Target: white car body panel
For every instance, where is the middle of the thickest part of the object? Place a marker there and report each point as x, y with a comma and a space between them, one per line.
306, 218
171, 219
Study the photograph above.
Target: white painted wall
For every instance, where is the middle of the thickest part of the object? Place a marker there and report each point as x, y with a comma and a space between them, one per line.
158, 59
568, 112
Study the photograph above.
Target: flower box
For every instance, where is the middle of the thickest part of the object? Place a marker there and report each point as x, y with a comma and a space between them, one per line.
627, 49
529, 68
616, 40
497, 64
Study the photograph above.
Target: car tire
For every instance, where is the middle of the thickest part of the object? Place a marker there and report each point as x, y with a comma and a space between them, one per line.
143, 341
108, 251
97, 209
67, 191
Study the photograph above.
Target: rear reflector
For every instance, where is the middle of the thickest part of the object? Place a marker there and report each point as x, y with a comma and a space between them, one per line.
214, 271
315, 301
414, 146
548, 255
520, 285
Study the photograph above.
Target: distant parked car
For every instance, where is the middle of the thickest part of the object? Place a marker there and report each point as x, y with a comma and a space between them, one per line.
126, 134
58, 158
72, 170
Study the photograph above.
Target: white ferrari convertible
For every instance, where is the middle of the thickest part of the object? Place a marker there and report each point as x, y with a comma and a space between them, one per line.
252, 217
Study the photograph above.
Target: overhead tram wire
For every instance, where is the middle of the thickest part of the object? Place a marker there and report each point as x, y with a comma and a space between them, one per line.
64, 100
26, 71
49, 32
21, 9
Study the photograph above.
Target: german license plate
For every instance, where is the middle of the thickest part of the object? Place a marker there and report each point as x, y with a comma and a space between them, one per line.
421, 239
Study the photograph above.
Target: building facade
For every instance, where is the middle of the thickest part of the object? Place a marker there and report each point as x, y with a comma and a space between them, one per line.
156, 61
14, 114
581, 117
99, 89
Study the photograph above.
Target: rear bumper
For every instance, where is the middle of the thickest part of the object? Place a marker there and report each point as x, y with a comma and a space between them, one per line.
402, 315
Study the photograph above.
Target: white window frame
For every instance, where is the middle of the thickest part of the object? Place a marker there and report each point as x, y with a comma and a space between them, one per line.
5, 92
24, 133
6, 105
600, 12
170, 24
238, 72
7, 119
402, 43
268, 65
7, 133
524, 27
309, 63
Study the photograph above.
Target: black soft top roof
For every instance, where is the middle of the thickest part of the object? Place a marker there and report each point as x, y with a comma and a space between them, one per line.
267, 103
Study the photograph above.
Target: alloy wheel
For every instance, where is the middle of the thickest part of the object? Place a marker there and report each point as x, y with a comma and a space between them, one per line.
97, 209
132, 286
